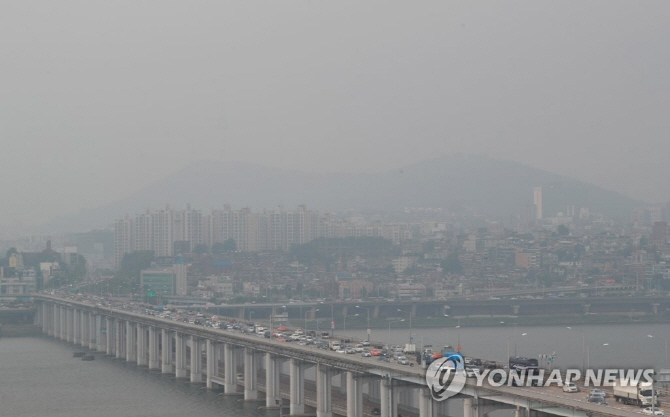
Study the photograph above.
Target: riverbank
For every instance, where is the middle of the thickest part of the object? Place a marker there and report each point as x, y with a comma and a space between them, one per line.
20, 330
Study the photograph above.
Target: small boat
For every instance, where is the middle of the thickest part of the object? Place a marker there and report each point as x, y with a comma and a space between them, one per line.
87, 358
78, 354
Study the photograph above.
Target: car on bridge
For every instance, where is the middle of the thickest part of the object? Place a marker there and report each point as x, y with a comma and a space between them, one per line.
570, 387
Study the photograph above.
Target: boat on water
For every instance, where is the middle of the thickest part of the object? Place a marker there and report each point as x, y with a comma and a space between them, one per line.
78, 354
87, 358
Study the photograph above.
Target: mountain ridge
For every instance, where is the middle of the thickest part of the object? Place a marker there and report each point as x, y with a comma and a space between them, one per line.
494, 187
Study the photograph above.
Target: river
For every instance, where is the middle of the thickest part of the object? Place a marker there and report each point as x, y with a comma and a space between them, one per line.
39, 377
599, 346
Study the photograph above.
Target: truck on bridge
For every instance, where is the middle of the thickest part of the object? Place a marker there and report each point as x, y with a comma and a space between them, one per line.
640, 394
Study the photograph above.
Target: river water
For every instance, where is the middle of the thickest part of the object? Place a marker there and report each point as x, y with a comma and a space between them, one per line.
39, 377
612, 345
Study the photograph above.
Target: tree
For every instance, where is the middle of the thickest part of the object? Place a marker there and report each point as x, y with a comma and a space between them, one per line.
452, 264
563, 230
201, 248
230, 245
218, 248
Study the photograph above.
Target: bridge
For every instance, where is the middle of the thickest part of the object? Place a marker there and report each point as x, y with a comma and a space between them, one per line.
311, 380
453, 307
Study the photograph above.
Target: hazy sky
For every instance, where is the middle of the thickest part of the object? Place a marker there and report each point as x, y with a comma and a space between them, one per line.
100, 98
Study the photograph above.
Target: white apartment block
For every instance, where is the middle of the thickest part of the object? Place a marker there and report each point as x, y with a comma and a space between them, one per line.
278, 229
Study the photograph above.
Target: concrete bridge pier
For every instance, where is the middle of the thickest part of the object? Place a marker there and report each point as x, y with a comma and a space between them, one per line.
272, 372
515, 309
354, 395
73, 319
48, 323
211, 352
229, 369
131, 339
375, 311
587, 307
427, 408
63, 323
119, 339
297, 386
153, 348
55, 321
76, 327
166, 352
91, 331
141, 345
324, 391
98, 333
109, 349
250, 375
196, 359
69, 320
654, 308
83, 328
180, 355
388, 401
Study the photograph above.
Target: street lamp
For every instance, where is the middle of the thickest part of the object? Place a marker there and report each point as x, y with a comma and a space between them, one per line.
388, 341
368, 311
410, 324
508, 340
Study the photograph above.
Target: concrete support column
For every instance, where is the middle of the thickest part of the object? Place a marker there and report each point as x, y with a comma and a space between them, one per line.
470, 407
54, 310
43, 310
141, 345
76, 327
180, 355
119, 339
153, 347
91, 331
131, 345
272, 371
343, 383
69, 325
63, 323
196, 360
324, 388
250, 375
98, 333
354, 395
297, 374
426, 406
230, 369
386, 399
109, 324
166, 351
212, 361
83, 328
